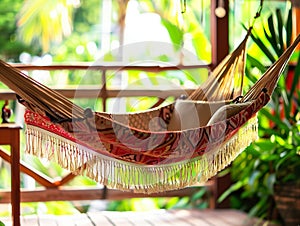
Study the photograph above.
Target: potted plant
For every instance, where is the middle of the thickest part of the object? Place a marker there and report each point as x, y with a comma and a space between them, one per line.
269, 168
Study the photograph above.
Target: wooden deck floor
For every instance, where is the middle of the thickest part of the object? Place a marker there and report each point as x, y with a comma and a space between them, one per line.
160, 218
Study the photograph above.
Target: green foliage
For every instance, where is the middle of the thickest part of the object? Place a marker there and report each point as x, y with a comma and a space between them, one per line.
273, 158
44, 22
135, 204
86, 18
55, 208
10, 47
5, 176
188, 27
197, 200
176, 34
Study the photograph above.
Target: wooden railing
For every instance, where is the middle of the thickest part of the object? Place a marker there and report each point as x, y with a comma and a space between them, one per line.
104, 93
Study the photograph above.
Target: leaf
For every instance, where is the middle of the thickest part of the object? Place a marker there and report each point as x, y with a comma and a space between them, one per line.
176, 35
296, 79
231, 189
256, 63
275, 119
271, 179
272, 37
264, 144
202, 205
251, 77
259, 206
263, 47
289, 28
182, 202
280, 30
170, 203
198, 195
200, 42
280, 162
253, 177
286, 102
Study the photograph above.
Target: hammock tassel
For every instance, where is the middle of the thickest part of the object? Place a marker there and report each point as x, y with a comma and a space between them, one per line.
127, 176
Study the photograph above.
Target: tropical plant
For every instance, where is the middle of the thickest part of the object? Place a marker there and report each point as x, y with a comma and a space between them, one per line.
273, 158
11, 47
45, 22
198, 200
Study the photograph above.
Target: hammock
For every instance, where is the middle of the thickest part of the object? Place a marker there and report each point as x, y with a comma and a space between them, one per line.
149, 151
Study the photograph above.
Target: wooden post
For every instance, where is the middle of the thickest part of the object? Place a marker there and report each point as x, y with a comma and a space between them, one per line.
220, 49
219, 32
10, 135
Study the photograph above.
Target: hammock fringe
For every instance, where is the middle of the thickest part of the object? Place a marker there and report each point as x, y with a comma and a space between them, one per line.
118, 174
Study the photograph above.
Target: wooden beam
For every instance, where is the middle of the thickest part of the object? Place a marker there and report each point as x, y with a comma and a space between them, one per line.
86, 193
110, 66
93, 92
25, 168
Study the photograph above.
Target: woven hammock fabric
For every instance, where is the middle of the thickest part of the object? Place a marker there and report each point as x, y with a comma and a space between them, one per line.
139, 152
113, 139
159, 161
